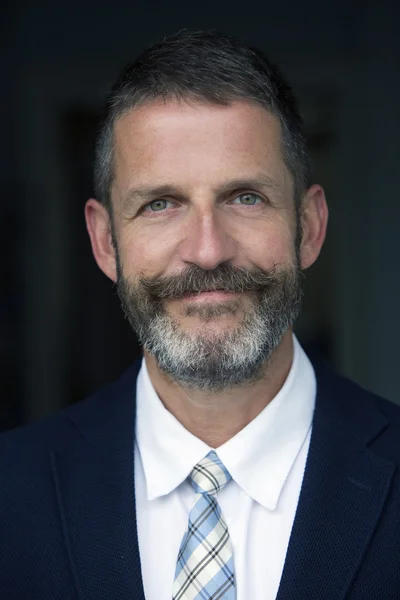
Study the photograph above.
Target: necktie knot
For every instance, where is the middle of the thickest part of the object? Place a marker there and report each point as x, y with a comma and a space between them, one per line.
210, 475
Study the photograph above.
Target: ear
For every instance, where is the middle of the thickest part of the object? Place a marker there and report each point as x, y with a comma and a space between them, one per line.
99, 228
314, 220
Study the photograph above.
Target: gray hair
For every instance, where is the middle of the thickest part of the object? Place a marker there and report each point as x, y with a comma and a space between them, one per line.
206, 67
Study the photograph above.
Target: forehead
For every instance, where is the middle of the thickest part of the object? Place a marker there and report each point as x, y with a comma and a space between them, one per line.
196, 142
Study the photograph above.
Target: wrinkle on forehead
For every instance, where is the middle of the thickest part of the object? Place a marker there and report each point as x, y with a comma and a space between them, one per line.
183, 145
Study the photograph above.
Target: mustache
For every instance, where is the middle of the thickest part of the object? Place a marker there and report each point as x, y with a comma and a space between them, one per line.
225, 277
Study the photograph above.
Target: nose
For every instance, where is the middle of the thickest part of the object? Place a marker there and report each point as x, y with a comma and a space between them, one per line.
207, 243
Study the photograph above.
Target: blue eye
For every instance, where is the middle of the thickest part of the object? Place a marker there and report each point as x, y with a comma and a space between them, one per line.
248, 199
157, 205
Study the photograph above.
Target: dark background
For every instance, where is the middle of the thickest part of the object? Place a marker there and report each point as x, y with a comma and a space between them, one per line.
62, 334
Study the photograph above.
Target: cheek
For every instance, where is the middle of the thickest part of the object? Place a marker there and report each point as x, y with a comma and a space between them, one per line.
270, 246
142, 252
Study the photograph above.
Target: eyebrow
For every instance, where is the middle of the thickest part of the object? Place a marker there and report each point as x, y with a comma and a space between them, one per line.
146, 193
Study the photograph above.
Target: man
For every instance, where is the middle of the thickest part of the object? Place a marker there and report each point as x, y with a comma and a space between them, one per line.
225, 465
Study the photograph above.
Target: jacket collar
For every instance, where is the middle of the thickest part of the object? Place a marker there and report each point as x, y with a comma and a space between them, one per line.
344, 489
94, 478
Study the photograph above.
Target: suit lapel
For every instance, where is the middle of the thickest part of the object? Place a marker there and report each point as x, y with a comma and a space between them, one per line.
344, 489
94, 481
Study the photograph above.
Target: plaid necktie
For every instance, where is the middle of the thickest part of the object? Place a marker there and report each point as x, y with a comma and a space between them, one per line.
205, 570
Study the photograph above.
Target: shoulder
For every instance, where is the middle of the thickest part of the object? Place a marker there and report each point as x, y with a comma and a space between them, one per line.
359, 394
57, 429
328, 379
364, 411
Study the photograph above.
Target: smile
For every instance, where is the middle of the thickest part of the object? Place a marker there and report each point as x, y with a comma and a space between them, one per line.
217, 295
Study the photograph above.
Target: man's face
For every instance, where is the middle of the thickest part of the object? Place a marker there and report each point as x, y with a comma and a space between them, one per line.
204, 229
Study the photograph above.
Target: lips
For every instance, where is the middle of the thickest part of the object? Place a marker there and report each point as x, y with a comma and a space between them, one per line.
211, 295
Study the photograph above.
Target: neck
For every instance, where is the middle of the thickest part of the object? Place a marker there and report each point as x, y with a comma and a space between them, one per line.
217, 417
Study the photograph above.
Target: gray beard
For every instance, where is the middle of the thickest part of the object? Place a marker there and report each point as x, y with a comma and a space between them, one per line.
213, 361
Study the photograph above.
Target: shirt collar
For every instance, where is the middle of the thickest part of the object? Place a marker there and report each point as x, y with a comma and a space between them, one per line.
168, 451
259, 457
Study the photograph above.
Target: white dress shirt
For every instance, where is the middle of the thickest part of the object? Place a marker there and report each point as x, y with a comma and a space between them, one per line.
266, 460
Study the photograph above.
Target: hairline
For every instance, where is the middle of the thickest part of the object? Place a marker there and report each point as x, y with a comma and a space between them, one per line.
118, 112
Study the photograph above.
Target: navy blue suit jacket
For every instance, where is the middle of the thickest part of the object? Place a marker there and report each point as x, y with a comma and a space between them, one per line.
67, 502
